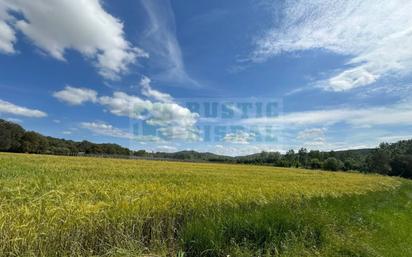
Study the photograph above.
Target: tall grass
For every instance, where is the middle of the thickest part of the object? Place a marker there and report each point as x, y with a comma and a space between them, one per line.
68, 206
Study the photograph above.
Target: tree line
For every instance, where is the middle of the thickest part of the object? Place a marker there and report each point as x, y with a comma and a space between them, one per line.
13, 138
388, 159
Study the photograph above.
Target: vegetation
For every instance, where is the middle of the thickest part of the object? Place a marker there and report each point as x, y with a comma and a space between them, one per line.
13, 138
70, 206
388, 159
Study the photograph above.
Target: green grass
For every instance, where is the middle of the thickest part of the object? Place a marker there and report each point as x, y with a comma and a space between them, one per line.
68, 206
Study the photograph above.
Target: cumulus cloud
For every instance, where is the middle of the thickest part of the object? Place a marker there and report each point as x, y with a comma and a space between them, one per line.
81, 25
240, 137
173, 121
149, 92
76, 96
10, 108
122, 104
376, 34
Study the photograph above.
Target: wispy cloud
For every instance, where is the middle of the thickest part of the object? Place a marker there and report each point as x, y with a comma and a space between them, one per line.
240, 137
247, 149
311, 134
314, 137
375, 34
10, 108
161, 41
396, 114
105, 129
7, 34
165, 148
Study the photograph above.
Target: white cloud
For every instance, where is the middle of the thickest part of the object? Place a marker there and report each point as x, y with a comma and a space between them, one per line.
14, 120
393, 139
7, 34
175, 121
9, 108
76, 96
395, 90
175, 132
81, 25
168, 114
311, 133
161, 41
376, 34
314, 137
154, 94
105, 129
229, 150
240, 137
348, 79
397, 114
166, 148
122, 104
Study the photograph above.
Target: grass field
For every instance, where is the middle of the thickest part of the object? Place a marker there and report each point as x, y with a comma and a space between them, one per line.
73, 206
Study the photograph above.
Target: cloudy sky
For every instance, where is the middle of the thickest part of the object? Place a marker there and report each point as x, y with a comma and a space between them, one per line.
230, 77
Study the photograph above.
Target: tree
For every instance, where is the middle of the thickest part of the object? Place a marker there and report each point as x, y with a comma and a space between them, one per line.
290, 159
10, 136
140, 153
33, 142
379, 161
402, 166
315, 164
303, 157
332, 164
350, 164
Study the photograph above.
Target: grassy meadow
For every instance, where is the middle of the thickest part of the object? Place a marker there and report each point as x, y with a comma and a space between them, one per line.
78, 206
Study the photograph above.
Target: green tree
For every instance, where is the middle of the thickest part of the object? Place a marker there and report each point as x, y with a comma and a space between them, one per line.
315, 164
332, 164
33, 142
303, 157
10, 136
379, 160
402, 166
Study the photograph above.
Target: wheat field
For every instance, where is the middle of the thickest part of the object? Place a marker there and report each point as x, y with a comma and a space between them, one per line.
79, 206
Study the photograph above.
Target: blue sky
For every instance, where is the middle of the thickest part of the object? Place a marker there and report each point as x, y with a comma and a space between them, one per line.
144, 73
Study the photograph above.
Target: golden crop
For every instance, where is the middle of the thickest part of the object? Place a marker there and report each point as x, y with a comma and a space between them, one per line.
69, 205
